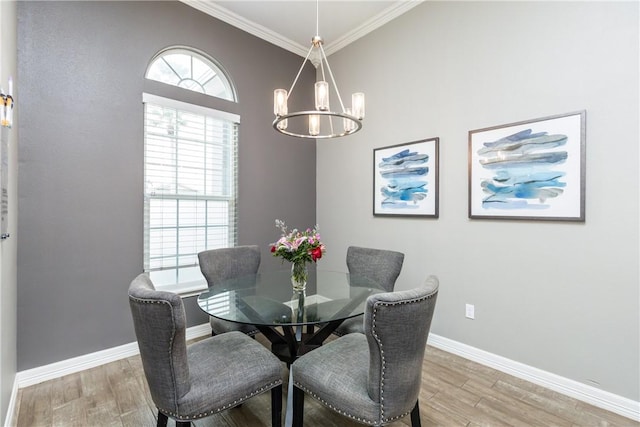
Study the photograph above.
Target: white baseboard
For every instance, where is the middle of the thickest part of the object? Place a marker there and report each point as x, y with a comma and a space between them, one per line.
12, 405
87, 361
80, 363
586, 393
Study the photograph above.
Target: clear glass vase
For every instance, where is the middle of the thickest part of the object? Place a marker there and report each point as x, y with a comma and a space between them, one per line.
299, 275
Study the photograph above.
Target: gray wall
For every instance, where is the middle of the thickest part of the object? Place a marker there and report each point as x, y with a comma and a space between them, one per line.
8, 248
446, 68
81, 76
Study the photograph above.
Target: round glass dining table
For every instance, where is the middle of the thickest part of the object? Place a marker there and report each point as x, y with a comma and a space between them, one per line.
294, 322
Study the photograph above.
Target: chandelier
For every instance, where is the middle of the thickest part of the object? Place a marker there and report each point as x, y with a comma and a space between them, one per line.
321, 123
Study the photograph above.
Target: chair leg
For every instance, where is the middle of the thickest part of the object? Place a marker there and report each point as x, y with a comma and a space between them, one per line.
162, 419
298, 407
415, 416
276, 406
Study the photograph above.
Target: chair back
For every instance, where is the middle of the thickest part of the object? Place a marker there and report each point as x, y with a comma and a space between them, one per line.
159, 322
397, 326
381, 266
217, 265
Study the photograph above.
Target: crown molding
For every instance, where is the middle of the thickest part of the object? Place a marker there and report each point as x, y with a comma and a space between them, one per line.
224, 14
390, 13
244, 24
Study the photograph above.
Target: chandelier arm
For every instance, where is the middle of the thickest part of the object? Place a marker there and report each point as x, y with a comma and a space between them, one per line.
322, 69
299, 71
333, 80
325, 79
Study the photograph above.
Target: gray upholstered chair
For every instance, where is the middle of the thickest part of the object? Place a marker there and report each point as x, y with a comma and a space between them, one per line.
206, 377
382, 266
373, 378
218, 265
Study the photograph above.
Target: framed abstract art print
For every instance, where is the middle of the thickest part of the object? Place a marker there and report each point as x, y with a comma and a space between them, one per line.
531, 170
405, 179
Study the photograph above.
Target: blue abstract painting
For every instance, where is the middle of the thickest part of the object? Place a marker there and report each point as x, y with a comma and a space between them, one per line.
405, 179
529, 169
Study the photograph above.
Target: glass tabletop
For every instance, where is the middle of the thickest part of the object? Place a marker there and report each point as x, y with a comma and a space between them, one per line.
268, 298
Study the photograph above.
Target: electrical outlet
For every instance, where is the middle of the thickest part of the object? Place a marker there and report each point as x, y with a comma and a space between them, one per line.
470, 311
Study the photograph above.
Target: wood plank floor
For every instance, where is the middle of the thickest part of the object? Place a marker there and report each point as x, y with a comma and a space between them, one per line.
455, 392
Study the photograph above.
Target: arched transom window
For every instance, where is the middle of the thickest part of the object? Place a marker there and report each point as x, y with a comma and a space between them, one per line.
190, 170
190, 70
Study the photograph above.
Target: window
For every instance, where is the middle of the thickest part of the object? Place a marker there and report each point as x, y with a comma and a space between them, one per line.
190, 180
190, 70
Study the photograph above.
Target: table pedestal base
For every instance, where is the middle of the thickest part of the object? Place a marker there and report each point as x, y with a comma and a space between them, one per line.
292, 342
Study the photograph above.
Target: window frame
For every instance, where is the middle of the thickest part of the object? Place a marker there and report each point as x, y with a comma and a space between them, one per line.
191, 287
217, 68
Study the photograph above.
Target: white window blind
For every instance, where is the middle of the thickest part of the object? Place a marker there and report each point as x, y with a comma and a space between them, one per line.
190, 175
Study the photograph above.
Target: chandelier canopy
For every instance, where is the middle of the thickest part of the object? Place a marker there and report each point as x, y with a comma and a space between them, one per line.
321, 123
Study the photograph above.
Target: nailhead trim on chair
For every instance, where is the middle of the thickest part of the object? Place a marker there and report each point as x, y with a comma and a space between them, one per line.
221, 408
384, 420
249, 334
327, 404
362, 420
173, 332
214, 411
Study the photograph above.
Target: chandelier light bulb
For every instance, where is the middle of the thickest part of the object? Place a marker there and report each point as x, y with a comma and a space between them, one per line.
280, 106
322, 96
314, 124
279, 102
357, 103
348, 124
282, 125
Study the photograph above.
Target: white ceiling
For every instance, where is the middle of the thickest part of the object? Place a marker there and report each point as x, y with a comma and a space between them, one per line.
291, 24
